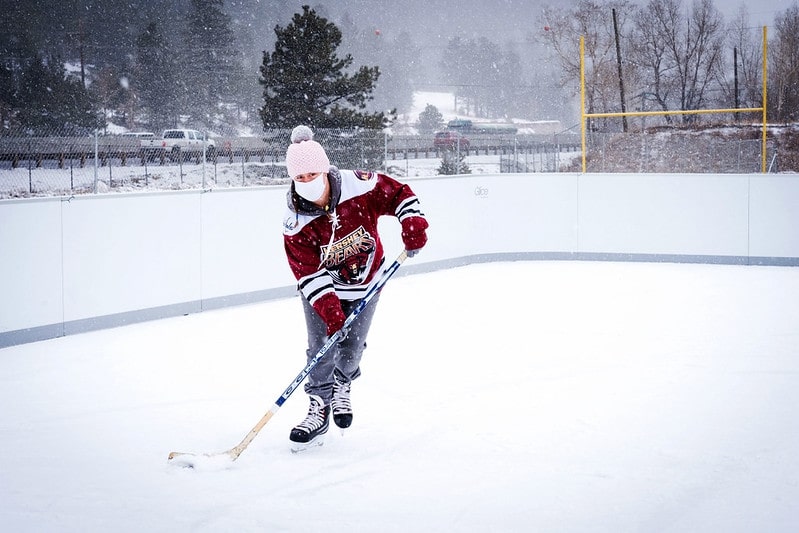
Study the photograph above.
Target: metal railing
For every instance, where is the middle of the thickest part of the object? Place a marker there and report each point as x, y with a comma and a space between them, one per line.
66, 163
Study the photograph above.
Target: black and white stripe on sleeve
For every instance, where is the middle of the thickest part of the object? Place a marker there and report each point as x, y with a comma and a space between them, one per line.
410, 207
316, 285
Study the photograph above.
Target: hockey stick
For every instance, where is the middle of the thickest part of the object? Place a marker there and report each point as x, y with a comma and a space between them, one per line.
188, 459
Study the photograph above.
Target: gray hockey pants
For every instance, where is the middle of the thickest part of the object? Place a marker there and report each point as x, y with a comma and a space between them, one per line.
345, 357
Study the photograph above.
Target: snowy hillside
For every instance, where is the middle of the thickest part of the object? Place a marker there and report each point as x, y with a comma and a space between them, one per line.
446, 104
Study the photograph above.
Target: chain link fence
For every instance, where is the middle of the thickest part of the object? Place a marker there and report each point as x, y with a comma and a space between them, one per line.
731, 151
68, 162
63, 163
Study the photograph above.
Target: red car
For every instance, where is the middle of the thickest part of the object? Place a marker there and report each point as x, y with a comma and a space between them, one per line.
450, 139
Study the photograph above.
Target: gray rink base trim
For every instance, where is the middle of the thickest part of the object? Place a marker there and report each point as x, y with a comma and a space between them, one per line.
39, 333
590, 256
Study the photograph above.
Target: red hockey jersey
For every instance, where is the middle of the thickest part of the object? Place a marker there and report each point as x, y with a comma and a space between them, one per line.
337, 248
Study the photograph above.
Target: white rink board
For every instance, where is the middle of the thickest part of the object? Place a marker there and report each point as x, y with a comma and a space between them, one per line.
96, 261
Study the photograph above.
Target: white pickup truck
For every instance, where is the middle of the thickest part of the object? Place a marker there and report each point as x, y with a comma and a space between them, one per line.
177, 144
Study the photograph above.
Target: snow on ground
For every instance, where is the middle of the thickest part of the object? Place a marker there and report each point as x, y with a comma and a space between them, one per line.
591, 397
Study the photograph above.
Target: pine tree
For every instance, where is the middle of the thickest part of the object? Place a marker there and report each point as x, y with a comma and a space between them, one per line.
7, 95
53, 102
305, 82
155, 78
430, 119
453, 162
212, 63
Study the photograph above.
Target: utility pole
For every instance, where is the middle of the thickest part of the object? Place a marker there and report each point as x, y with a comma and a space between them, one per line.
735, 75
621, 80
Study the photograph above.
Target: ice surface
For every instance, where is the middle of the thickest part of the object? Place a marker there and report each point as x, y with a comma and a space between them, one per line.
528, 396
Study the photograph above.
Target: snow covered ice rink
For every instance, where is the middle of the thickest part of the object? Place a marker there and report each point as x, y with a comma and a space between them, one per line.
527, 396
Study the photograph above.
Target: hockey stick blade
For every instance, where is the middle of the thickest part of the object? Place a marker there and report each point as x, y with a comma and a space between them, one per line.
197, 460
192, 460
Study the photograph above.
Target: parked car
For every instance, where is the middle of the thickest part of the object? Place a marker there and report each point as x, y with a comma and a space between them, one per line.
450, 140
177, 143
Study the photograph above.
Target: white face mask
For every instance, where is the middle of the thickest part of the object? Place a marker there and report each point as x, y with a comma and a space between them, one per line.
311, 190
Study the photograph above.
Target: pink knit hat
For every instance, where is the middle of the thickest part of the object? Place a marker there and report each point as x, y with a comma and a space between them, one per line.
304, 155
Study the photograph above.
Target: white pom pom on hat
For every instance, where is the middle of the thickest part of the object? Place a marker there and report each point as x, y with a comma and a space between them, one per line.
301, 133
304, 155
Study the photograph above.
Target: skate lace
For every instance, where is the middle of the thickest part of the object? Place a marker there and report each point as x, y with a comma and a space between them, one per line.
315, 418
341, 397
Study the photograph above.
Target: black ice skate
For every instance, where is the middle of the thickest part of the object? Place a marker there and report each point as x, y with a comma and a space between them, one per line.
342, 408
311, 431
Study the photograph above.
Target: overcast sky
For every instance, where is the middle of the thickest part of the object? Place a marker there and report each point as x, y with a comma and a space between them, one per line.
761, 12
434, 22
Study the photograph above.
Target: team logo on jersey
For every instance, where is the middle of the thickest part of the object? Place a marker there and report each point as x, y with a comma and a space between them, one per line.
349, 259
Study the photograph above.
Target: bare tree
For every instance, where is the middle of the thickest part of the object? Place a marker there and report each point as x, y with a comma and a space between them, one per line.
681, 53
746, 41
593, 21
650, 52
703, 54
784, 67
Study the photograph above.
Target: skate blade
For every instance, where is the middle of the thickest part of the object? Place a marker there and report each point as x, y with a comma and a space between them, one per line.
299, 447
